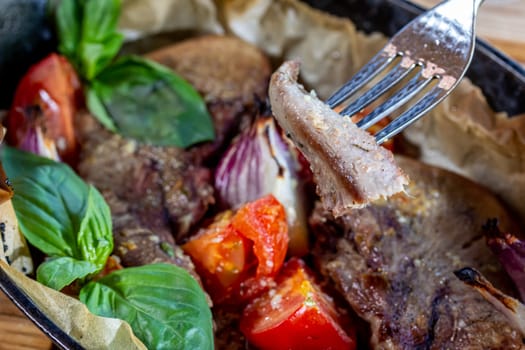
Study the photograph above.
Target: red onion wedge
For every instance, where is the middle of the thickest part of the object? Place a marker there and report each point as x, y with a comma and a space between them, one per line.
260, 162
36, 142
510, 307
510, 251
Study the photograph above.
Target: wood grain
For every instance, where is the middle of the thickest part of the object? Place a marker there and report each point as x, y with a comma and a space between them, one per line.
17, 332
500, 22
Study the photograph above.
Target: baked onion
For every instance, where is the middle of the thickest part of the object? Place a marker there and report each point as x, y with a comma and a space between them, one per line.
510, 251
260, 162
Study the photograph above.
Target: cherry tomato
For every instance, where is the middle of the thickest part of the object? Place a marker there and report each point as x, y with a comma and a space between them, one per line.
239, 253
41, 117
296, 314
264, 222
221, 256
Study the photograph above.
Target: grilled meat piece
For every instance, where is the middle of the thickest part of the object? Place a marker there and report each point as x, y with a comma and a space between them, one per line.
349, 167
157, 194
138, 244
231, 75
227, 333
512, 308
394, 263
160, 186
223, 68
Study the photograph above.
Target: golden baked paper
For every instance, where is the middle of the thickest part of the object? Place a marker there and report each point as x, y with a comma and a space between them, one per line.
13, 248
462, 134
90, 331
145, 17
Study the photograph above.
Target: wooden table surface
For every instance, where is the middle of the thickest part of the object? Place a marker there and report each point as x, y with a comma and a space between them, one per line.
501, 22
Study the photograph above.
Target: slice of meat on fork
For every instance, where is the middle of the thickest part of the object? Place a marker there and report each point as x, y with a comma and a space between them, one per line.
350, 168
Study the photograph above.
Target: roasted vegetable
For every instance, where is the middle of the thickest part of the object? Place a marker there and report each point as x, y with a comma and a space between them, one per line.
260, 162
296, 314
239, 251
510, 251
41, 116
513, 309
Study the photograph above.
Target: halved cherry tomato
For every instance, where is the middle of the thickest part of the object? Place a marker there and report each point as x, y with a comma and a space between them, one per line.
238, 253
264, 223
221, 256
41, 117
296, 314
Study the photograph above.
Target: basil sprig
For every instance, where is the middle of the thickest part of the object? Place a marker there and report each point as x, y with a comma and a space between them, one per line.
163, 303
134, 97
59, 214
170, 111
87, 34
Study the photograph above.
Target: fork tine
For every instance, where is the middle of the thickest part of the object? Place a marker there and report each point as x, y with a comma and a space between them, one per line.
393, 77
415, 85
422, 106
363, 76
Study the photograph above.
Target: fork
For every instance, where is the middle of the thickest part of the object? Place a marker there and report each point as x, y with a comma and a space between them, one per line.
429, 56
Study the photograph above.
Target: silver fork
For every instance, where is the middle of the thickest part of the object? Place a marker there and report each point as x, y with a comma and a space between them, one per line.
434, 51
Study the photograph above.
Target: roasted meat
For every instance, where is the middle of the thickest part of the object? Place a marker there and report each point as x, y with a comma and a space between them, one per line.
394, 263
231, 75
349, 167
508, 306
155, 194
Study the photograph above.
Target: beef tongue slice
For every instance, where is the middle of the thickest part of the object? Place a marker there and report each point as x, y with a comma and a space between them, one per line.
394, 261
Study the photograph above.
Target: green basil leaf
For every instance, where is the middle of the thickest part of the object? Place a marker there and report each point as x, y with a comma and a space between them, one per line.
95, 56
100, 40
57, 211
164, 305
48, 201
150, 103
100, 19
57, 273
96, 107
87, 33
94, 237
68, 20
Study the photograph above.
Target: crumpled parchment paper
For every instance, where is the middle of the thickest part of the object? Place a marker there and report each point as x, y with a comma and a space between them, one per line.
13, 249
462, 134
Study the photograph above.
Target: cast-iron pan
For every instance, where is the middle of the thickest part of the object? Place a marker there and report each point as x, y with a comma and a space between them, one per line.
501, 79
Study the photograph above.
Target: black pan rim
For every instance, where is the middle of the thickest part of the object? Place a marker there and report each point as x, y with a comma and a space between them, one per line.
64, 341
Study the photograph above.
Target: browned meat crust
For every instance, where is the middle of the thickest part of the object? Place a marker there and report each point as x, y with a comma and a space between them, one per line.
349, 167
139, 244
231, 75
394, 264
155, 194
227, 333
223, 68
